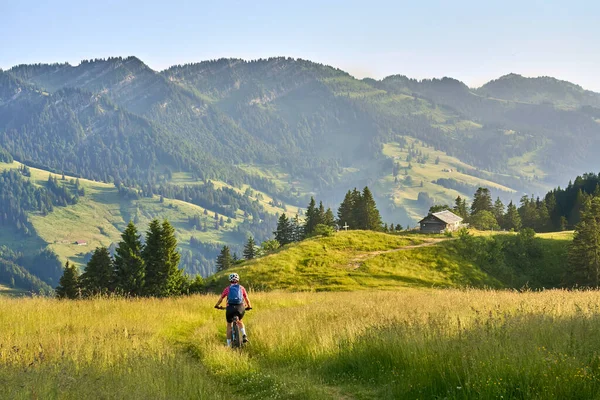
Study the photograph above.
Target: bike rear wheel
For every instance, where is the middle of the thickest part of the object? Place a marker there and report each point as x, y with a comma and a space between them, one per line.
236, 337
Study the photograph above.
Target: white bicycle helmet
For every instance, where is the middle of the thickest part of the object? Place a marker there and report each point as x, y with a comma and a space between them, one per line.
234, 277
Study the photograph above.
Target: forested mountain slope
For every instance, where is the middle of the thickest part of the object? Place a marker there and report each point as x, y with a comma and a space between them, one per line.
545, 89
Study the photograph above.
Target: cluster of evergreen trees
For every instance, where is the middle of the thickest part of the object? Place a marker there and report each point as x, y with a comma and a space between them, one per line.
358, 211
17, 197
486, 214
150, 269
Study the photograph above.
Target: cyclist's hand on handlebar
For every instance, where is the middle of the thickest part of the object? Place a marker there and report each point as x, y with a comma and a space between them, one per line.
248, 308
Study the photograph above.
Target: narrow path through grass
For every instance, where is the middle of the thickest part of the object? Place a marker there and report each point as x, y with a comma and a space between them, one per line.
356, 262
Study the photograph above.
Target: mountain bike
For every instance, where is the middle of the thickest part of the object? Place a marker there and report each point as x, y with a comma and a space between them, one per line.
237, 341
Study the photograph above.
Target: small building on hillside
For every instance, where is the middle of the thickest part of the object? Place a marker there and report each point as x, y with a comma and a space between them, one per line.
440, 222
81, 243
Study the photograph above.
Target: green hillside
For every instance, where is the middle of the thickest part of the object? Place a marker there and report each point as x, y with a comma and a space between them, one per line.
364, 260
440, 176
358, 260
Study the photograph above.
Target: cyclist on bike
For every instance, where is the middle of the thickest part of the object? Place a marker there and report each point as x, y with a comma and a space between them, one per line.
236, 297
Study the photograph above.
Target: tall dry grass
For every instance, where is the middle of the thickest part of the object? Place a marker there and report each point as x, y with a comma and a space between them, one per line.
404, 344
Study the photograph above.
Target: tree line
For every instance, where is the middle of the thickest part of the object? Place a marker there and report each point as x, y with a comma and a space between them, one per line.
486, 214
136, 269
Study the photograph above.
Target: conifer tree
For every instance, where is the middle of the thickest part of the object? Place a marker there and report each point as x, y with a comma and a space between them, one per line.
576, 212
284, 233
528, 212
369, 217
345, 214
154, 259
298, 229
68, 287
512, 219
482, 201
99, 275
544, 224
460, 208
329, 218
312, 218
224, 259
498, 211
584, 253
129, 264
173, 275
250, 249
356, 208
321, 214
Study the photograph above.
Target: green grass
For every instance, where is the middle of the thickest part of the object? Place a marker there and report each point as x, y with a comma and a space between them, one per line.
360, 260
452, 344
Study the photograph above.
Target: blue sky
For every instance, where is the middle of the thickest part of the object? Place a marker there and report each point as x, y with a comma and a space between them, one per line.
473, 41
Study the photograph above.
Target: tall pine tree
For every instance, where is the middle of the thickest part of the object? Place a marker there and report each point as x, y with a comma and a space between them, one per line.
584, 253
345, 214
482, 201
512, 219
368, 214
298, 229
224, 260
173, 275
460, 208
99, 275
250, 249
284, 233
68, 287
329, 219
154, 259
129, 264
312, 217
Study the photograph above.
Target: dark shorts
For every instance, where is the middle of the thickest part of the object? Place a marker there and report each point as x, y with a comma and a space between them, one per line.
233, 310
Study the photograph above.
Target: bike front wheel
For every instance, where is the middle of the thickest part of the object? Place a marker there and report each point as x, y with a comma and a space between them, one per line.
236, 337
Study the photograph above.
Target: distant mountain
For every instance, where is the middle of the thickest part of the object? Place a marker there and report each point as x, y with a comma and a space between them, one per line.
76, 131
514, 87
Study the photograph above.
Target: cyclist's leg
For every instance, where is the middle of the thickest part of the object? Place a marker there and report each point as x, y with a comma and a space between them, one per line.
241, 325
229, 318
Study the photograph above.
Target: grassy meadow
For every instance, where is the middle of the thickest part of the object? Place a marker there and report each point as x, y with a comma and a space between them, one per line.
362, 260
405, 195
454, 344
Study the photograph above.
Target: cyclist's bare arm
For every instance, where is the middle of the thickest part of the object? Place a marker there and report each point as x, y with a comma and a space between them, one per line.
248, 305
219, 302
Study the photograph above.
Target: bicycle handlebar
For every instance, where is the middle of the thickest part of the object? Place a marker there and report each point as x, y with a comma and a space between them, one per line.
224, 308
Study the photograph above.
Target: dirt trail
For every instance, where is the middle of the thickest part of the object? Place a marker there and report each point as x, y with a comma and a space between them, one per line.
356, 261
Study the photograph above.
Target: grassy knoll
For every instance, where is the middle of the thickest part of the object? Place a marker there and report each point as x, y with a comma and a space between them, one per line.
452, 344
357, 260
